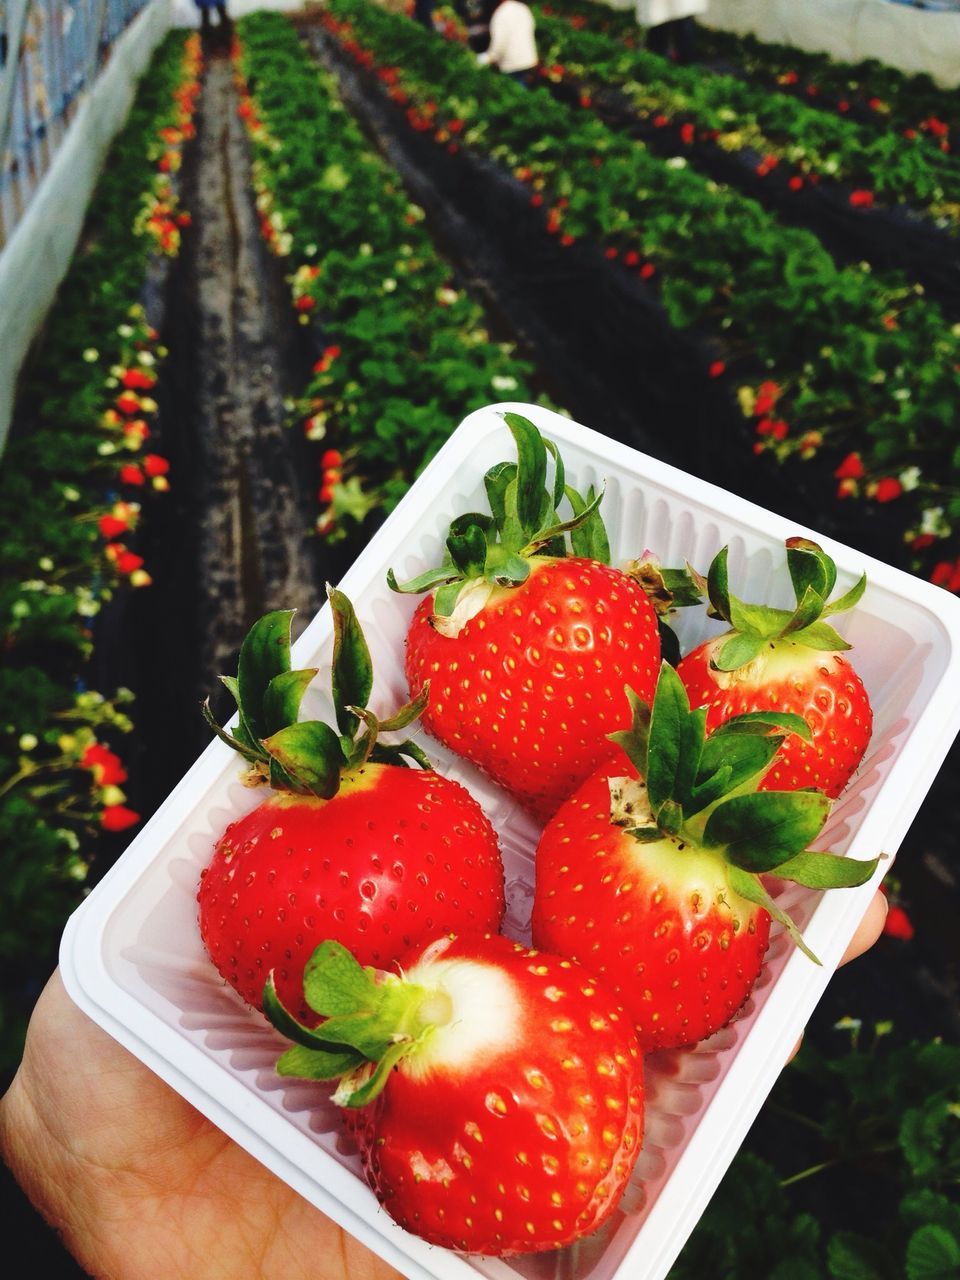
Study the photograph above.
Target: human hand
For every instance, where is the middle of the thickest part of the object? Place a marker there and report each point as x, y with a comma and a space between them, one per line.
139, 1183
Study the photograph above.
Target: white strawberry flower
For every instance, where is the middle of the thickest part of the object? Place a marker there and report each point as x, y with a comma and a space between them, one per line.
910, 478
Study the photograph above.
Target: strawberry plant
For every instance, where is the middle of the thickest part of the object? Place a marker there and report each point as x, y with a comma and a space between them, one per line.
495, 1092
370, 278
78, 475
525, 644
845, 357
650, 874
350, 844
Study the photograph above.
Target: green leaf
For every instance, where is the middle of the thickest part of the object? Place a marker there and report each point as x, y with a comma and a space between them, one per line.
761, 830
558, 471
635, 740
933, 1254
496, 482
532, 500
243, 733
352, 674
468, 551
426, 581
374, 1084
334, 981
235, 744
729, 762
588, 538
668, 736
737, 651
761, 722
265, 653
408, 713
849, 599
318, 1064
309, 752
826, 870
718, 586
808, 610
748, 886
281, 701
821, 636
556, 530
853, 1257
758, 619
810, 567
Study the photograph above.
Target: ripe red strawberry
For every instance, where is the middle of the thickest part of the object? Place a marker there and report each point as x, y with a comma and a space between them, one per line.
783, 660
651, 880
350, 844
495, 1092
527, 648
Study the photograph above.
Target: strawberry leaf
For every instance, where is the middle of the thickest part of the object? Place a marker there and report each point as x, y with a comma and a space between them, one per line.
496, 482
810, 567
759, 831
736, 651
749, 887
248, 753
821, 636
334, 981
426, 581
309, 752
265, 653
760, 722
849, 599
281, 701
668, 736
729, 762
827, 870
352, 675
809, 609
533, 502
244, 733
318, 1064
365, 1086
635, 740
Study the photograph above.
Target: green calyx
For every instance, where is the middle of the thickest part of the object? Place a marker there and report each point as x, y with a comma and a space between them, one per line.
702, 791
372, 1020
486, 551
814, 576
309, 756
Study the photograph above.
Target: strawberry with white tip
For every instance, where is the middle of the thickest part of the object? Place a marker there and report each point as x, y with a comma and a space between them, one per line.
495, 1092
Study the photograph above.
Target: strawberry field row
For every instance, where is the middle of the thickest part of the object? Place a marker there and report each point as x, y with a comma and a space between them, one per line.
808, 146
869, 91
408, 353
79, 474
829, 363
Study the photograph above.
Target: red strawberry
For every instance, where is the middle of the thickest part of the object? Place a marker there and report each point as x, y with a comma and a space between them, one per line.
350, 844
778, 659
654, 885
527, 648
496, 1092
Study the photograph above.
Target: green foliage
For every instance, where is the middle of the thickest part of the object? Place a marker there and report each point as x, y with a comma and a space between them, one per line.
56, 474
888, 1112
384, 295
858, 360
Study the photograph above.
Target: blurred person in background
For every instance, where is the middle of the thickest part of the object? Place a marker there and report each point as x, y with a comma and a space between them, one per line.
513, 45
671, 30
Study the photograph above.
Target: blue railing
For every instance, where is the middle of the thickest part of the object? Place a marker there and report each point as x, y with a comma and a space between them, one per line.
50, 51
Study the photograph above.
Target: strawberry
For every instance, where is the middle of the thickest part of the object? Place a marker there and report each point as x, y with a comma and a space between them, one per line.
649, 875
495, 1092
349, 844
787, 660
527, 647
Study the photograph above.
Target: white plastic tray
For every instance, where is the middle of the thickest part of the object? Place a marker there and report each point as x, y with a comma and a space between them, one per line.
132, 959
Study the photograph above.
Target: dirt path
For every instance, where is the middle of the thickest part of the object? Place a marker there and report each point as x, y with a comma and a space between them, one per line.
253, 548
